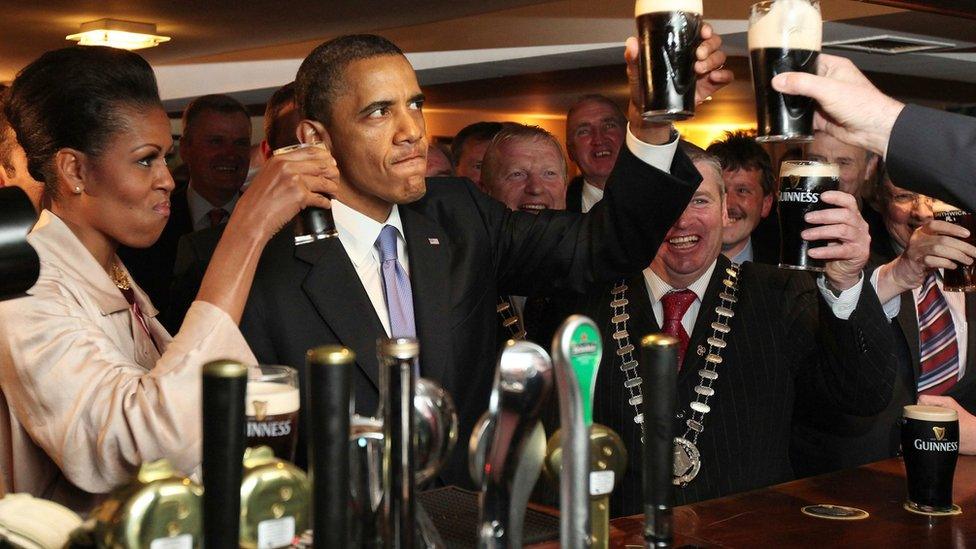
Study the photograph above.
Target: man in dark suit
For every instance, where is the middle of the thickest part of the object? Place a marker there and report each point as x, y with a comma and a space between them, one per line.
595, 131
194, 249
911, 246
789, 339
750, 195
430, 258
215, 146
928, 151
468, 149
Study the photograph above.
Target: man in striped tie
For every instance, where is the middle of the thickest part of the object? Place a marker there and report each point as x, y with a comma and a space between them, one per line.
933, 328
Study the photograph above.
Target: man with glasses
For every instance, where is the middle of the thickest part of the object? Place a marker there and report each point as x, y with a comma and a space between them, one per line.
914, 248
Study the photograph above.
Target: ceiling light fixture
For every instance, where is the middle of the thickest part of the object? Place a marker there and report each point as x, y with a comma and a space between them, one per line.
127, 35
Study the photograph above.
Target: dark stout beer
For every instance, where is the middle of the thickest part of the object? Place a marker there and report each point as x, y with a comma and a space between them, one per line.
784, 36
963, 277
801, 183
930, 444
272, 417
669, 32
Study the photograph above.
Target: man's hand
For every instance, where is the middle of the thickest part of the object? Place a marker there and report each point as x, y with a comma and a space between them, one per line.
935, 245
848, 251
711, 75
967, 422
850, 108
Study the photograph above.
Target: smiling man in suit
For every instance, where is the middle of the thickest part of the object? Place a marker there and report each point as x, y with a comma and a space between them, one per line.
428, 258
785, 338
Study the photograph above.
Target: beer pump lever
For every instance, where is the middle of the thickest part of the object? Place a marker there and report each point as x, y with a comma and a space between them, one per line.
659, 369
522, 383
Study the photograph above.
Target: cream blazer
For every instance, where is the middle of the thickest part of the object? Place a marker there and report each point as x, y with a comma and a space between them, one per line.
84, 395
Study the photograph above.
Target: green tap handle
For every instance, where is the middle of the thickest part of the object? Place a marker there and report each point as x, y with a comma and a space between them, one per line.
585, 352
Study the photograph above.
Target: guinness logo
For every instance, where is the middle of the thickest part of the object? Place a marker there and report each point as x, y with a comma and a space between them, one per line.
261, 410
939, 432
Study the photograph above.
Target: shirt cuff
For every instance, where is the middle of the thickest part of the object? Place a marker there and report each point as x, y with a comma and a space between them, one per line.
893, 305
844, 304
659, 156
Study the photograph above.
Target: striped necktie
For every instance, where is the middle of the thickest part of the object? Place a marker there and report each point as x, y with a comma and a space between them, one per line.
396, 285
939, 351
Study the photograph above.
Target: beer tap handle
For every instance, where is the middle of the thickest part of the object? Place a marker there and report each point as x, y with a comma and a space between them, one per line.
659, 370
224, 387
608, 463
522, 382
576, 352
330, 396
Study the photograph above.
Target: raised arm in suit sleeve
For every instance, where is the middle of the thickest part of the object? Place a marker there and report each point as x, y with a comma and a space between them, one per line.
851, 366
934, 153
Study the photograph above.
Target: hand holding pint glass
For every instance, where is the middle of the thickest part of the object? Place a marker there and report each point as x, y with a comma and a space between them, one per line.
930, 445
784, 36
313, 223
669, 32
801, 184
962, 278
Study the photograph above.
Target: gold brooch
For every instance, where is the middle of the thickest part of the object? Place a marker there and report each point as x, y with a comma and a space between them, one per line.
118, 277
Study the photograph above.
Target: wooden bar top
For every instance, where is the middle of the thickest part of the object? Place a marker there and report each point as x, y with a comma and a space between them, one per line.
771, 517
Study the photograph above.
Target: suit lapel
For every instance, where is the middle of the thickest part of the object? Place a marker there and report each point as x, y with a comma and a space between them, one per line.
337, 293
908, 321
429, 251
703, 323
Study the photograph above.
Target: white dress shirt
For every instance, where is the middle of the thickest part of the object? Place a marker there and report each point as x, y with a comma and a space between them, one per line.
842, 306
200, 208
745, 254
590, 196
358, 234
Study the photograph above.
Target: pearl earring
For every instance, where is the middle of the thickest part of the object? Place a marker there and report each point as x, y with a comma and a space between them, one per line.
77, 189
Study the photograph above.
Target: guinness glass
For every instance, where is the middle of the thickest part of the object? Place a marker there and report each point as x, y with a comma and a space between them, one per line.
784, 36
312, 223
272, 409
800, 184
930, 444
963, 277
669, 32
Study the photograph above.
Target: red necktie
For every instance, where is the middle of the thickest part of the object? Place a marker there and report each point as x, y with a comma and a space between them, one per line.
216, 216
939, 351
676, 304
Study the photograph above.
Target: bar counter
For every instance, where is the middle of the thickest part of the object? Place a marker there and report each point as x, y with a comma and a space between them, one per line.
771, 516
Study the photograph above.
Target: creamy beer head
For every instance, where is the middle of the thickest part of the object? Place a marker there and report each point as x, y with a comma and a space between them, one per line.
655, 6
271, 399
785, 24
808, 168
930, 413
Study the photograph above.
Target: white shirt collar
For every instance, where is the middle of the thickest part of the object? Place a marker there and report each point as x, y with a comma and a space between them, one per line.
200, 207
590, 195
358, 232
659, 287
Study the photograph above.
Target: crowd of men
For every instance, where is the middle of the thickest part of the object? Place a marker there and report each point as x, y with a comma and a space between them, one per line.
815, 369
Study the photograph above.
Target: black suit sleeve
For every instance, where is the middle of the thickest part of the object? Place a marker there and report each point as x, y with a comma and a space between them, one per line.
934, 153
559, 251
851, 368
256, 330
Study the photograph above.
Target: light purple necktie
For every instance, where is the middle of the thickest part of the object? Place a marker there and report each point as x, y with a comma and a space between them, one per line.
396, 286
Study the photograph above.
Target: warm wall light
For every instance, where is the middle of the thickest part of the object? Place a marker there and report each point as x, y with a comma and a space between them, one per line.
127, 35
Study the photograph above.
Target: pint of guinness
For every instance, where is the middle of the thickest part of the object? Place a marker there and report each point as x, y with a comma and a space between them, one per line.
963, 277
272, 410
669, 32
930, 444
801, 183
784, 36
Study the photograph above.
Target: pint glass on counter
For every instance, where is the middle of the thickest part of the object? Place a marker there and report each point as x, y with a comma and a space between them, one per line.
930, 444
784, 36
963, 277
800, 184
272, 409
669, 32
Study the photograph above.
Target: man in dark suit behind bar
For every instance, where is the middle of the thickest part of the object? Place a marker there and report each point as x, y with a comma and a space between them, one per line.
360, 97
791, 338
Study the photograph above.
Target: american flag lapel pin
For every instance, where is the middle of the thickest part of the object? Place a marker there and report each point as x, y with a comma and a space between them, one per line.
433, 242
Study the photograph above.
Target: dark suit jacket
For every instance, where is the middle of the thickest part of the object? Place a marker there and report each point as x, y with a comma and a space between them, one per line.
934, 153
574, 195
785, 347
826, 440
193, 255
311, 295
152, 267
